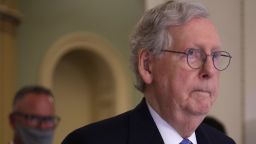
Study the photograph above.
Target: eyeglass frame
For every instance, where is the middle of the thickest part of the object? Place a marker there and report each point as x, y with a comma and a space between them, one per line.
202, 60
39, 119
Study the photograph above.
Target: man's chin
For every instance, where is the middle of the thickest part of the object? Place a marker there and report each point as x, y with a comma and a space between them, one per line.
201, 113
201, 110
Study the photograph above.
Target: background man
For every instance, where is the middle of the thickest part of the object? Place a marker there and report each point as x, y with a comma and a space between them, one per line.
177, 57
33, 116
214, 122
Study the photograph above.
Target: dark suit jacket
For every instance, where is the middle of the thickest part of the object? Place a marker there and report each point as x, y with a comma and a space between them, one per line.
135, 127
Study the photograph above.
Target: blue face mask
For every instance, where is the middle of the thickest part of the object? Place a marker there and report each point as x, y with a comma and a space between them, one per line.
34, 136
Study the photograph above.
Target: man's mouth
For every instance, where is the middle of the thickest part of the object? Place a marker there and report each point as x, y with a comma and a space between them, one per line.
203, 92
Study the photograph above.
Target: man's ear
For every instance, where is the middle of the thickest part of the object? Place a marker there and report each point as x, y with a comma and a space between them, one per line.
145, 65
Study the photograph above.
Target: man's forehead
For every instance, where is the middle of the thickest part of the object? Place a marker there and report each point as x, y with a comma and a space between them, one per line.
37, 96
196, 31
33, 99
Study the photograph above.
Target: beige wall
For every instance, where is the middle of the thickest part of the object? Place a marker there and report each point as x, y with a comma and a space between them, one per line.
229, 107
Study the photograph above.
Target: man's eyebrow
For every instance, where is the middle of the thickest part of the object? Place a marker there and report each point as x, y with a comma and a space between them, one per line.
200, 46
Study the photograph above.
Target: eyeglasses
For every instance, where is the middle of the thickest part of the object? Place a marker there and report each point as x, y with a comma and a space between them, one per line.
197, 57
35, 120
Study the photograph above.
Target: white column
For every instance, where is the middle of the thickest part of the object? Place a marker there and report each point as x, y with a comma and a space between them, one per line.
250, 70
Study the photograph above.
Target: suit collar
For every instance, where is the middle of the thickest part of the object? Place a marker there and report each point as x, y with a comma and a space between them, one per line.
142, 126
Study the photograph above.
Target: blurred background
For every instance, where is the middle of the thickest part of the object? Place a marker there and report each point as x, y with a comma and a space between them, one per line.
80, 50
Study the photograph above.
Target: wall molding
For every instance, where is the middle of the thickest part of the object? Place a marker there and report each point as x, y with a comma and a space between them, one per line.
97, 45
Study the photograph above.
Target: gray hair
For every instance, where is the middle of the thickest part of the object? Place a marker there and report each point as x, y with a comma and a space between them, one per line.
28, 90
152, 33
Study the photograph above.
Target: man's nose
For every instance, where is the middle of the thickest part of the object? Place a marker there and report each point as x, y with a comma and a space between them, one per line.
207, 69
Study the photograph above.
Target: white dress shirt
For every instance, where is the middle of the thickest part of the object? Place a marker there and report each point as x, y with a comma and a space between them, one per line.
168, 133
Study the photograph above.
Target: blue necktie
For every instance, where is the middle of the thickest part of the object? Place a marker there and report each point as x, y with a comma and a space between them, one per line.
186, 141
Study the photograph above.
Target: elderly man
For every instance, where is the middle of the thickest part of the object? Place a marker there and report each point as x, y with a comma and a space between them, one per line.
177, 57
33, 116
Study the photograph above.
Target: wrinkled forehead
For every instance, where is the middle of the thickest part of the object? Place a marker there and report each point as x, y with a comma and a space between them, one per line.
198, 32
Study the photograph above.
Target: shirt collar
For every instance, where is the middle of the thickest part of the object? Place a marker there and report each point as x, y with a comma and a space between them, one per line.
168, 133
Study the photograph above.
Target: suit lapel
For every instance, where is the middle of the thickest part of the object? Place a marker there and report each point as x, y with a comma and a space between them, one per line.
143, 129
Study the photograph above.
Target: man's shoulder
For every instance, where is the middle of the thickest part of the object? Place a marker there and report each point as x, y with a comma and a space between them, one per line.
206, 133
134, 126
109, 124
115, 128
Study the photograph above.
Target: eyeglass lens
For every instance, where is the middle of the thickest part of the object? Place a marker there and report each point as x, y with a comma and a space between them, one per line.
34, 120
196, 58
